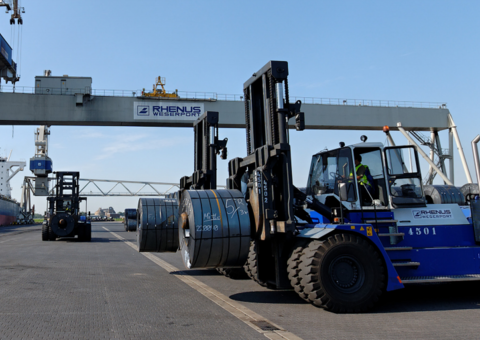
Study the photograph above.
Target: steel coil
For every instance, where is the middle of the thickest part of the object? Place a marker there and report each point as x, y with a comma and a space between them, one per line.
132, 225
157, 225
443, 194
214, 228
62, 224
470, 190
130, 213
130, 219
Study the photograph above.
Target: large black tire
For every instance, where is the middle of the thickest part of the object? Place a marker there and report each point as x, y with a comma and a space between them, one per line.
51, 234
88, 232
251, 266
343, 274
293, 267
233, 273
44, 232
81, 233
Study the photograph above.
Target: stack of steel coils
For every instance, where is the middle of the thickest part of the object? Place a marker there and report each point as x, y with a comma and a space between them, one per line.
130, 219
157, 225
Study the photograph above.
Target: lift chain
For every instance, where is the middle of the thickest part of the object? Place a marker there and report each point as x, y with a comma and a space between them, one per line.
287, 96
247, 120
273, 113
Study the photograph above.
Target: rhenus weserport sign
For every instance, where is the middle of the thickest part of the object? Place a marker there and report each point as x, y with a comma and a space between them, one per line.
165, 111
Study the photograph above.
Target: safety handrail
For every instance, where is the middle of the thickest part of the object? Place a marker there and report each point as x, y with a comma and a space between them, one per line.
213, 96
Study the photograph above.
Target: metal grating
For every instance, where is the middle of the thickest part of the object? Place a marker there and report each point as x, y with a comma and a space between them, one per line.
265, 326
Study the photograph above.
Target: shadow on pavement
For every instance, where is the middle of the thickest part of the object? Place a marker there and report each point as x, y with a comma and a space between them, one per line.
414, 298
94, 239
431, 297
272, 296
18, 229
197, 272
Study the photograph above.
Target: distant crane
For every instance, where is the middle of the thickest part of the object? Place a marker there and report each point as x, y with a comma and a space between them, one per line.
41, 165
9, 69
13, 5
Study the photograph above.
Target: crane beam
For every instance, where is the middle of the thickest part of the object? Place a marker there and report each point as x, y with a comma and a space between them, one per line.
42, 109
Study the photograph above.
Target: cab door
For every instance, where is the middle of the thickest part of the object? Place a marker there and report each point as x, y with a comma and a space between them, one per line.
404, 178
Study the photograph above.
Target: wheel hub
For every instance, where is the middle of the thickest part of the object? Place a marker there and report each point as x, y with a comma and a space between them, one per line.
346, 273
62, 223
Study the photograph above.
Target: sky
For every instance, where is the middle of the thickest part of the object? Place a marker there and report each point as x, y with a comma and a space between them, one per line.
424, 51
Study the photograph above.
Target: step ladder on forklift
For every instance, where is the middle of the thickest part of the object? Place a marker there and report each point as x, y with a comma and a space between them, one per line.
395, 238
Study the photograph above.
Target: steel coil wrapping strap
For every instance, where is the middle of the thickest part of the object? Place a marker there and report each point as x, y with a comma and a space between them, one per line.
157, 225
214, 228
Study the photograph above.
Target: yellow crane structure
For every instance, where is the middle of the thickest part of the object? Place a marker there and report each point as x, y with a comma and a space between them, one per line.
13, 5
160, 92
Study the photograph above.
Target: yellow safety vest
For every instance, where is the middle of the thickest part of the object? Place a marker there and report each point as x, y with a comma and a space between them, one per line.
364, 179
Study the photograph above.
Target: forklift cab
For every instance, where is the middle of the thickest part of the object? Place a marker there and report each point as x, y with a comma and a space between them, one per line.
393, 176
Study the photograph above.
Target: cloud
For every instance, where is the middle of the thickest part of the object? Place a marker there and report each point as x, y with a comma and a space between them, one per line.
133, 143
317, 84
84, 133
56, 146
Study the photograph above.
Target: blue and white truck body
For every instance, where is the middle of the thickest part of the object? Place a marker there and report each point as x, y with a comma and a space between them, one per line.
419, 242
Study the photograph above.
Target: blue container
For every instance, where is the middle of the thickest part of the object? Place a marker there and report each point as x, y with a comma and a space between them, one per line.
5, 50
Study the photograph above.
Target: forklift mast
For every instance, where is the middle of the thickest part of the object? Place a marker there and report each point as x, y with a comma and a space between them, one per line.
268, 163
66, 190
268, 167
207, 146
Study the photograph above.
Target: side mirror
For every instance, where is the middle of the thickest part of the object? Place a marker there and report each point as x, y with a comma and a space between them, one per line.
342, 192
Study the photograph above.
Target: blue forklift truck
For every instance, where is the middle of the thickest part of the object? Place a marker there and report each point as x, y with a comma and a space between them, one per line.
339, 243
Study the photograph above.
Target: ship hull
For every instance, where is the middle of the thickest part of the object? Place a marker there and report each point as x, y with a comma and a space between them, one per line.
8, 211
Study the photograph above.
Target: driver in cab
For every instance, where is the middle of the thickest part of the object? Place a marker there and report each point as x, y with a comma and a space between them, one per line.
361, 170
363, 173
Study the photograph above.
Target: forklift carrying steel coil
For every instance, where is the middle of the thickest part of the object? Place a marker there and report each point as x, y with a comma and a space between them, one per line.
338, 246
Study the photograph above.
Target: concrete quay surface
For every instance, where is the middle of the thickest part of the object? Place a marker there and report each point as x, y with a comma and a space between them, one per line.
107, 290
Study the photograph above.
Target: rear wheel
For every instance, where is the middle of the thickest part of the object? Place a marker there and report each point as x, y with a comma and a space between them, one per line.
251, 266
51, 234
343, 273
88, 234
44, 232
81, 233
293, 267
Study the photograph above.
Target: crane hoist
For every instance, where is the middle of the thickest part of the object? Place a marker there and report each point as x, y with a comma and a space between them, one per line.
160, 92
